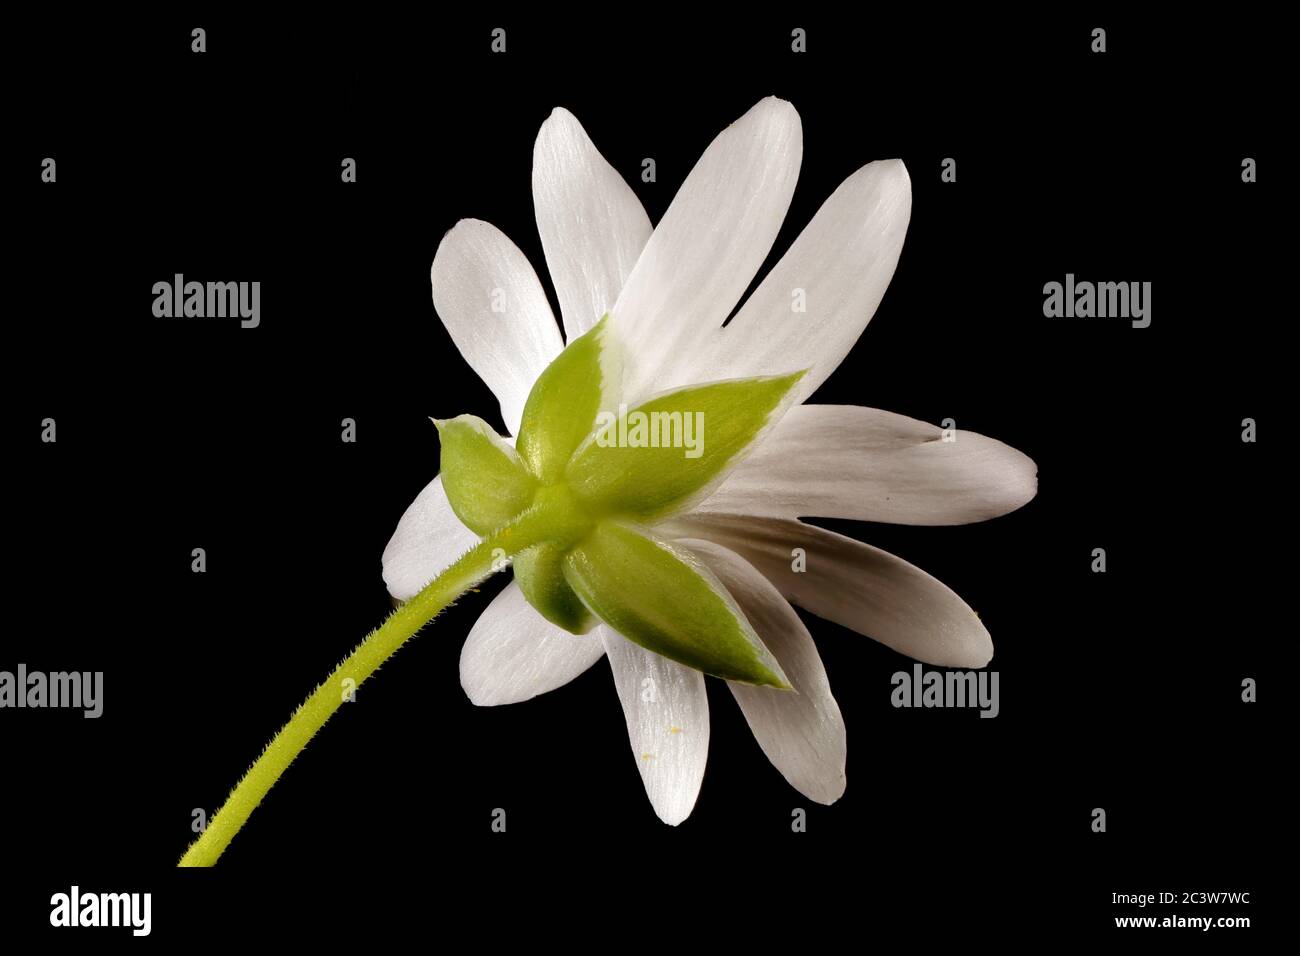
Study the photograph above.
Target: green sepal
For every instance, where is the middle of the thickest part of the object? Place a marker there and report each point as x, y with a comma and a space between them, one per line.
562, 406
539, 573
664, 599
486, 483
699, 432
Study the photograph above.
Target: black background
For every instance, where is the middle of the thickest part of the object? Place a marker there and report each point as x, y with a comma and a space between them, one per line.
1118, 690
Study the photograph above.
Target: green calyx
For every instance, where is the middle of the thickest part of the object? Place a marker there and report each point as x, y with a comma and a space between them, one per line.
586, 473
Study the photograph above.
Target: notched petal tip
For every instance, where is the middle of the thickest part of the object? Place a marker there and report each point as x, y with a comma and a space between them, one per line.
559, 127
1030, 485
474, 699
890, 183
461, 226
1015, 481
779, 112
777, 104
895, 167
560, 114
982, 651
831, 795
975, 653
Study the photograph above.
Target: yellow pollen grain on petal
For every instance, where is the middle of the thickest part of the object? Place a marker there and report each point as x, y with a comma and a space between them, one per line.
674, 730
647, 756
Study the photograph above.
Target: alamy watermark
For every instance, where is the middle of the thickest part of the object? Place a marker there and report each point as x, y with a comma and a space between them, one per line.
208, 300
923, 688
76, 908
638, 429
1098, 300
80, 690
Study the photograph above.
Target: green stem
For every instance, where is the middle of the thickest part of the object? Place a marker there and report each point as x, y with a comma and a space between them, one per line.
470, 569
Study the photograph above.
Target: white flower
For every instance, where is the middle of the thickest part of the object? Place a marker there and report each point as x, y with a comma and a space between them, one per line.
668, 292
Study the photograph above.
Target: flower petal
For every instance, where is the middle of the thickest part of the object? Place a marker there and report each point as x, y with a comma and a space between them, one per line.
667, 713
707, 248
842, 461
513, 654
801, 733
493, 306
837, 270
429, 537
593, 227
853, 584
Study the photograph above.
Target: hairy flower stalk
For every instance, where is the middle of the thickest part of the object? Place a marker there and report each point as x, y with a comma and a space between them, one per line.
472, 568
568, 507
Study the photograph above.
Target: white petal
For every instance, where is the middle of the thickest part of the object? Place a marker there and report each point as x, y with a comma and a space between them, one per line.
802, 733
593, 227
853, 584
513, 653
429, 537
838, 270
706, 250
842, 461
667, 715
492, 304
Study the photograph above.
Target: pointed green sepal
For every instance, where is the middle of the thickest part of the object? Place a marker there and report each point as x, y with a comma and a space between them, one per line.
539, 572
669, 452
486, 483
665, 600
562, 406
